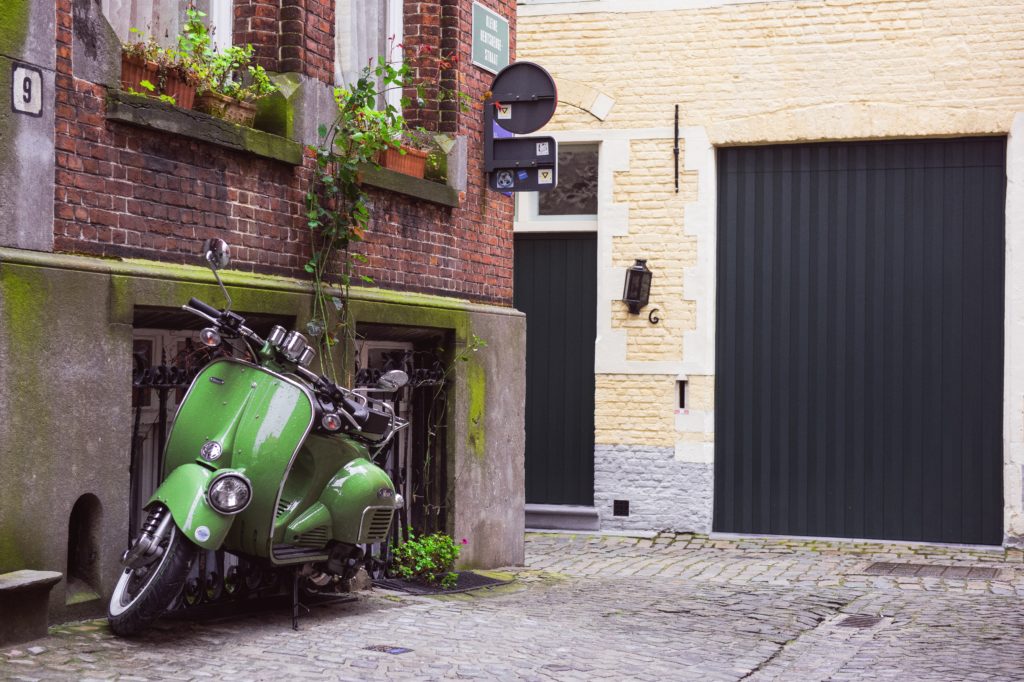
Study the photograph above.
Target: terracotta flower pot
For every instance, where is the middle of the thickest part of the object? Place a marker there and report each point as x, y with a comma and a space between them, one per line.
134, 71
227, 108
413, 162
184, 94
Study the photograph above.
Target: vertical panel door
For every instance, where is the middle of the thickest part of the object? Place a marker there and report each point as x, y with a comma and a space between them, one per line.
860, 340
556, 286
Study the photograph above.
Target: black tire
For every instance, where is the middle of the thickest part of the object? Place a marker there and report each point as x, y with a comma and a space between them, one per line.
142, 595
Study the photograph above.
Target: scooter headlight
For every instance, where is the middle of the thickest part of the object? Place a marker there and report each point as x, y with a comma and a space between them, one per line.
229, 493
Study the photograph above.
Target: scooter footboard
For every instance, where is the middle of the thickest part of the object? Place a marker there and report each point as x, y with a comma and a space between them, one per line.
184, 493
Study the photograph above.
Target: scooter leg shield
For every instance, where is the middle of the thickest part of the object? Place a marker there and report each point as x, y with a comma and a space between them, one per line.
184, 493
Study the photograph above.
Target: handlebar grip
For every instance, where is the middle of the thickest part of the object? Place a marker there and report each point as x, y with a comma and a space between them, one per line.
208, 309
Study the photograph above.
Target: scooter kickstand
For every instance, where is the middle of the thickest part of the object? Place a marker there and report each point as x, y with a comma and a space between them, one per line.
296, 605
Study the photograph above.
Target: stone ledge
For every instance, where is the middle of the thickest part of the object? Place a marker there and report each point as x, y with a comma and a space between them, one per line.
27, 579
428, 190
150, 113
562, 517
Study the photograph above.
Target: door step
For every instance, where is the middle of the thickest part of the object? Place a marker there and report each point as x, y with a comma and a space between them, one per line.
562, 517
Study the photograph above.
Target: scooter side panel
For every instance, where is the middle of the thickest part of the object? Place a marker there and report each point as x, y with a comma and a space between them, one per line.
184, 493
320, 460
358, 486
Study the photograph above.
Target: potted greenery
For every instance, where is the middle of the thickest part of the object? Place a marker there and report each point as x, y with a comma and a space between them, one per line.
229, 83
429, 559
159, 71
409, 155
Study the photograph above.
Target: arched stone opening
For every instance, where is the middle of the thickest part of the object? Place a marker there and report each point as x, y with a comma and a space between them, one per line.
83, 567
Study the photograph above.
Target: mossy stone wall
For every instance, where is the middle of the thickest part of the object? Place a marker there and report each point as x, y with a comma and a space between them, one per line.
65, 393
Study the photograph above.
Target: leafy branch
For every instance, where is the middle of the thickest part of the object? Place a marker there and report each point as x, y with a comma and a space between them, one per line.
337, 208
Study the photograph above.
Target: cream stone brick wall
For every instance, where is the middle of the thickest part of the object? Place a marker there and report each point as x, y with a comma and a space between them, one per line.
648, 191
632, 412
780, 71
743, 73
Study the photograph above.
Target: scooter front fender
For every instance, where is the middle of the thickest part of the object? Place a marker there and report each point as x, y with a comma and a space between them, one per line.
184, 493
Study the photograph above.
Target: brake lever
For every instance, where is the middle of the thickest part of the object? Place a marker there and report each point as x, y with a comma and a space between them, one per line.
200, 313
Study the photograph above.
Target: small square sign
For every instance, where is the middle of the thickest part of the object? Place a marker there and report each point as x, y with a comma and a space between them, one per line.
545, 176
504, 111
27, 90
543, 149
490, 49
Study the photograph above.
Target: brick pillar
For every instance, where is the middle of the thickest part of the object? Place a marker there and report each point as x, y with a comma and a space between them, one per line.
306, 41
256, 23
422, 41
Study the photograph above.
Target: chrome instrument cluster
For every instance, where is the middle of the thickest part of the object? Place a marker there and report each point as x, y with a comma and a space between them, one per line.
292, 345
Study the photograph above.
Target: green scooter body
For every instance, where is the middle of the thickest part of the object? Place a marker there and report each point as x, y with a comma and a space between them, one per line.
308, 489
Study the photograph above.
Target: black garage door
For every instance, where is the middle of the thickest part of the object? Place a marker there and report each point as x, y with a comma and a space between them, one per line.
860, 340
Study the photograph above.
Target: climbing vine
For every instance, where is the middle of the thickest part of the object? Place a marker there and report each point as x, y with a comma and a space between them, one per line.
337, 205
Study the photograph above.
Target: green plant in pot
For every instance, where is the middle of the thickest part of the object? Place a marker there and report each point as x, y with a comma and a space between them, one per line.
429, 559
229, 82
148, 68
420, 153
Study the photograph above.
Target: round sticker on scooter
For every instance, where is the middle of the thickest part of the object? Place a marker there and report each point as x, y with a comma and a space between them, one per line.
202, 533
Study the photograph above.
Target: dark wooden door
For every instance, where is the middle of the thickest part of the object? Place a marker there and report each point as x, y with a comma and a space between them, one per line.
860, 340
556, 286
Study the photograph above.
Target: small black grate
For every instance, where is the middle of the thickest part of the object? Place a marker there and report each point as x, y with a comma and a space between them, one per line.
466, 581
859, 620
388, 649
620, 508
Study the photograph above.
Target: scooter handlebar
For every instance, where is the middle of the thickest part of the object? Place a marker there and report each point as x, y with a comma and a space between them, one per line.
203, 307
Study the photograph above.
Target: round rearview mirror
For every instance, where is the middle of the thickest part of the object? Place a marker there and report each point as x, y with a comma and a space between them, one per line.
393, 380
216, 253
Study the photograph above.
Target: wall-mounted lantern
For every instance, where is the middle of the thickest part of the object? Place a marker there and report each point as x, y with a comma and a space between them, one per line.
638, 286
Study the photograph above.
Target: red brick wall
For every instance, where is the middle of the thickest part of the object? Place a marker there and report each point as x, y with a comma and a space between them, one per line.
307, 38
289, 35
124, 191
256, 23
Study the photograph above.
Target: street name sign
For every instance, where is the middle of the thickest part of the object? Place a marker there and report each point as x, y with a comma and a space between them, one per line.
490, 39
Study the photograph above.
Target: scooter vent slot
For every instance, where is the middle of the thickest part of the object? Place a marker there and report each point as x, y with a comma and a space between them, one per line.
314, 538
283, 506
377, 523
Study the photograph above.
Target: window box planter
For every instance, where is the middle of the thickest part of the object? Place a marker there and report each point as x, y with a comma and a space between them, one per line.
226, 108
166, 80
409, 161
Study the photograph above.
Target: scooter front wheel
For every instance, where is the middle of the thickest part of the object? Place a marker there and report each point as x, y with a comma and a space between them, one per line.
143, 594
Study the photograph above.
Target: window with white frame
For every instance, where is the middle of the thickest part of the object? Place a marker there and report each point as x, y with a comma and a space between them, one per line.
572, 205
363, 31
163, 19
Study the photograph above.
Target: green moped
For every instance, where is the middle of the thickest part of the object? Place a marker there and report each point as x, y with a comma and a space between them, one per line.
266, 460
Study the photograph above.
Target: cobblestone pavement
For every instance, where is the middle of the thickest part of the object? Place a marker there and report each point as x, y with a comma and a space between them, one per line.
599, 607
